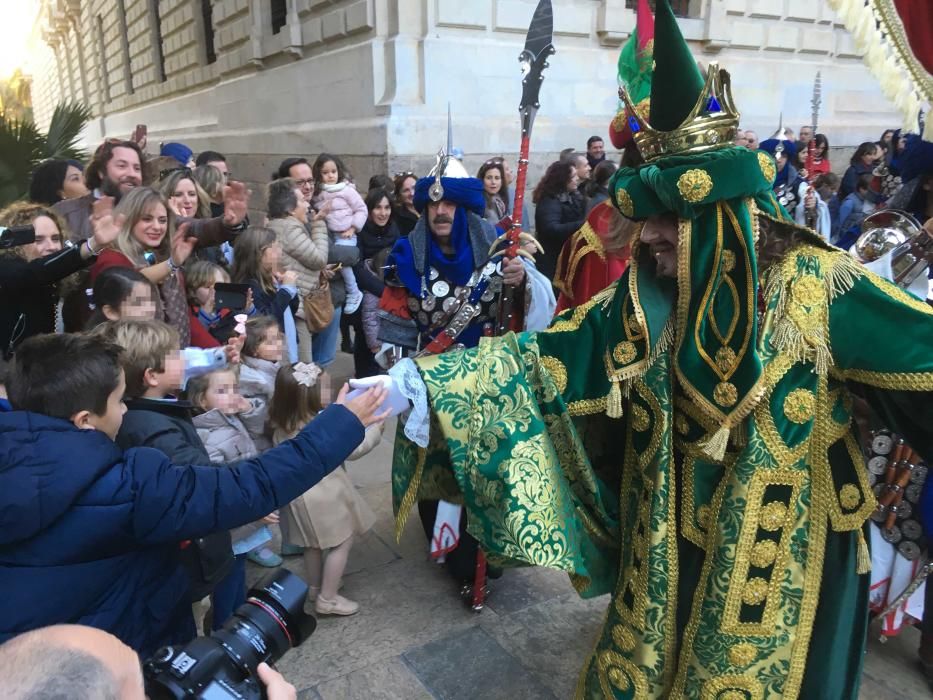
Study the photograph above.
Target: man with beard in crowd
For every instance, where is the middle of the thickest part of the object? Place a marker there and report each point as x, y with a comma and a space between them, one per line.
116, 168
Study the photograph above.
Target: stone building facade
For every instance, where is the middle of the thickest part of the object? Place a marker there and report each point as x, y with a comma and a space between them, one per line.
371, 79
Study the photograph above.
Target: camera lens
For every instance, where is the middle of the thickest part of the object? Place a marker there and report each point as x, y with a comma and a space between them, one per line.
271, 622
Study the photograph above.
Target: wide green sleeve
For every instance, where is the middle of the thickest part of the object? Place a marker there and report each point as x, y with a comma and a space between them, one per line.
882, 338
504, 444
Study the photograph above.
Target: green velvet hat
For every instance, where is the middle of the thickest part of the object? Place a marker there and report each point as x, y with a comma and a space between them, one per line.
717, 191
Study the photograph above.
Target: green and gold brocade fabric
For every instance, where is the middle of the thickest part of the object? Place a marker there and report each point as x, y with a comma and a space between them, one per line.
715, 567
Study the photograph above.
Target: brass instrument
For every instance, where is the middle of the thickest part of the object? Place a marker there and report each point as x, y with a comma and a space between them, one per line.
896, 232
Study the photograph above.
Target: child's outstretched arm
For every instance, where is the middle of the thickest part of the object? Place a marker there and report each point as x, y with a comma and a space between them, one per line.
172, 502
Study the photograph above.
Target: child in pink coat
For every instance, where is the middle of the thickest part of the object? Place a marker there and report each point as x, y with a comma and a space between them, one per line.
346, 214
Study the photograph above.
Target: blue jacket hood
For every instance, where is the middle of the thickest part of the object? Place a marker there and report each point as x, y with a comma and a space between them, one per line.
45, 465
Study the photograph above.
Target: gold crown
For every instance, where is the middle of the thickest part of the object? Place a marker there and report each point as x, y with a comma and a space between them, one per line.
711, 124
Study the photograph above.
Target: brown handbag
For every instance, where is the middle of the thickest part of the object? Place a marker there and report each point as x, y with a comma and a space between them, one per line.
319, 307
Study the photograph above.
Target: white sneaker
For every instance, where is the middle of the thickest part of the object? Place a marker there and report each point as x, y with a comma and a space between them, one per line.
354, 299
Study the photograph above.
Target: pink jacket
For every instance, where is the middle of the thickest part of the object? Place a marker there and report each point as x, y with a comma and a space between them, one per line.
347, 208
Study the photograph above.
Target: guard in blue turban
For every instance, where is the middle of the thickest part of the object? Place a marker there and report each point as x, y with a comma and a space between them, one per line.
444, 283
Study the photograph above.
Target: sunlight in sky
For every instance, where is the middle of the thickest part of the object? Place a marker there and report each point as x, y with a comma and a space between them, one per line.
16, 20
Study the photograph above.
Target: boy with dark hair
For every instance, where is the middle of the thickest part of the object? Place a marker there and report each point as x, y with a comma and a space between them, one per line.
88, 532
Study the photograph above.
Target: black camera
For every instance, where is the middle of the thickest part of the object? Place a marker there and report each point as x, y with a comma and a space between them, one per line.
223, 666
16, 236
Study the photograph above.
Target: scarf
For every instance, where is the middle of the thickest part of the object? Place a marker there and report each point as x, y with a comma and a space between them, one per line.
456, 269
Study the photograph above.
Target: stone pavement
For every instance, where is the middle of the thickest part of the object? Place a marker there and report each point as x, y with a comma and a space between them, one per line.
414, 639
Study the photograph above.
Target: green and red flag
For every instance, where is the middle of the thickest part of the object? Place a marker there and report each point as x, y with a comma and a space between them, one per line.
635, 71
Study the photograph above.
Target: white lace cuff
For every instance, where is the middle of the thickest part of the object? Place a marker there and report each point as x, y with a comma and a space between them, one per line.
406, 377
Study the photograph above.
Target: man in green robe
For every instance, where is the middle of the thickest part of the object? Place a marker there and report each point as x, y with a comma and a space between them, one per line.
685, 441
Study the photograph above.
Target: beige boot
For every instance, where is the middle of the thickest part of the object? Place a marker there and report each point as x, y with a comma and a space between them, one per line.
338, 606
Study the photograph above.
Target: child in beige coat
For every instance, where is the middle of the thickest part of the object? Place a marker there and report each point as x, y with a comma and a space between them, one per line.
327, 517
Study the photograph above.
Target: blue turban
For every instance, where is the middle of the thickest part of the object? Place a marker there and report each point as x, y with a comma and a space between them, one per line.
790, 148
466, 192
916, 160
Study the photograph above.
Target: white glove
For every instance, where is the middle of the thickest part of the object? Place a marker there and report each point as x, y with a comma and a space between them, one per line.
395, 401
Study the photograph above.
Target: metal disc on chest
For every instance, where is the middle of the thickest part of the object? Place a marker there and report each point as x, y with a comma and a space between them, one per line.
877, 465
440, 288
882, 444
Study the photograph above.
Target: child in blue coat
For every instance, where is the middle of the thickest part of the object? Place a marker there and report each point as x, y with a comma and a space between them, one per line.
89, 532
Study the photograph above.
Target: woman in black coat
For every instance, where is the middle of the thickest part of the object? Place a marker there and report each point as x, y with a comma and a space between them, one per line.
31, 275
560, 212
406, 216
380, 232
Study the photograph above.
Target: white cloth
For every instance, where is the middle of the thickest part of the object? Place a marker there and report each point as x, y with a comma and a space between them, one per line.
406, 391
891, 573
446, 535
543, 304
823, 220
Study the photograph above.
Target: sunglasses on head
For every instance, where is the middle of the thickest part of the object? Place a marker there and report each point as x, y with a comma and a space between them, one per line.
165, 173
405, 173
495, 161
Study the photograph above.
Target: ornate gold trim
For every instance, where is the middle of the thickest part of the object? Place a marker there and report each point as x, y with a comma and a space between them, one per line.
902, 381
753, 518
557, 370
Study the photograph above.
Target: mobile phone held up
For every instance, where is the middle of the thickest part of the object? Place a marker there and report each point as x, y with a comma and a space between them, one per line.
16, 236
230, 296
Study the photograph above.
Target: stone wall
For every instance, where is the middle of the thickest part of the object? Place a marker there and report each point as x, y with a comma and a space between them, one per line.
371, 79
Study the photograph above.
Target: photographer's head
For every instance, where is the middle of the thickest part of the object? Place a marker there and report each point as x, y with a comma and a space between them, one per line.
73, 377
49, 229
69, 661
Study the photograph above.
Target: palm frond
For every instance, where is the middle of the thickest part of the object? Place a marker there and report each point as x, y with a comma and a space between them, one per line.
21, 147
61, 141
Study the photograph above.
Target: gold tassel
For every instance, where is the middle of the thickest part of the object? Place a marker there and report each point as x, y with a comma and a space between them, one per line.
863, 560
715, 447
614, 403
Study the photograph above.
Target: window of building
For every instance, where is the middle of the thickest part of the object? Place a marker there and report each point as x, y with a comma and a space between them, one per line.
279, 15
207, 17
155, 28
681, 8
102, 53
125, 42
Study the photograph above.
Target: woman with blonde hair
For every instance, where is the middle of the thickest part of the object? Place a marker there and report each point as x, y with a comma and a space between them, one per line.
189, 200
149, 242
185, 196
